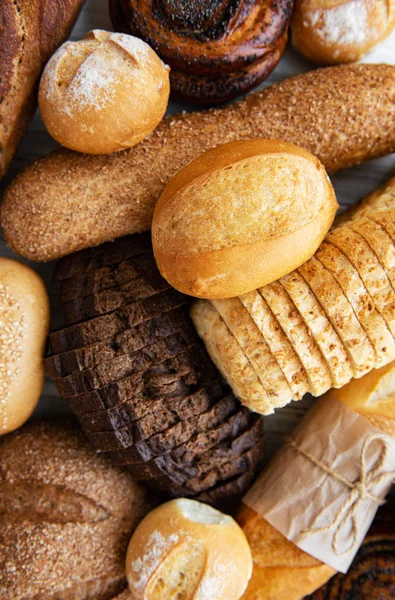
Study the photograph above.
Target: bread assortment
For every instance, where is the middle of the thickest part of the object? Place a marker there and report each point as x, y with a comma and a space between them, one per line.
187, 549
241, 208
216, 50
281, 570
30, 32
24, 326
328, 32
316, 328
241, 216
113, 196
104, 93
67, 516
135, 373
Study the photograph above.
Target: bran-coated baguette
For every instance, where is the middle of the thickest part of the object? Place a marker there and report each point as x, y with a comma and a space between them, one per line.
66, 201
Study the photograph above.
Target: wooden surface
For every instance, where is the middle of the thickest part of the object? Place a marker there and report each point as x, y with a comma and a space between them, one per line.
350, 185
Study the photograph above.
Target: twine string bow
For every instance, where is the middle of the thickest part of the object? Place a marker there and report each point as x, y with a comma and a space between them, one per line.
359, 491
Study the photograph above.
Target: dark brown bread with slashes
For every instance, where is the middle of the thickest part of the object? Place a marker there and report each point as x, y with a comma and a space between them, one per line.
216, 50
142, 384
173, 325
30, 32
106, 326
343, 115
92, 305
186, 452
104, 278
66, 516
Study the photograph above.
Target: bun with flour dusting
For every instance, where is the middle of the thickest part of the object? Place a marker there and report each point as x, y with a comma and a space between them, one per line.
329, 32
186, 549
104, 93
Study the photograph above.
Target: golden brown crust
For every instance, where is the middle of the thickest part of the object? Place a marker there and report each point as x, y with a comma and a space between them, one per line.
241, 216
31, 31
330, 32
186, 549
67, 516
104, 93
24, 325
65, 201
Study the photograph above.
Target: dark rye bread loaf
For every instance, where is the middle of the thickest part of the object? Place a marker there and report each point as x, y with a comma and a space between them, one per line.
160, 443
105, 255
187, 452
104, 302
249, 430
100, 328
175, 325
167, 412
141, 382
94, 282
136, 363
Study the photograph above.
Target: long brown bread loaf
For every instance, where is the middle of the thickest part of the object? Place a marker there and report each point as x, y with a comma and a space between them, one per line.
30, 31
67, 201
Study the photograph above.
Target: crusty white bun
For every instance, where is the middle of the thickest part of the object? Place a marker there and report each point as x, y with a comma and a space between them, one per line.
240, 216
330, 32
24, 324
372, 396
186, 549
104, 93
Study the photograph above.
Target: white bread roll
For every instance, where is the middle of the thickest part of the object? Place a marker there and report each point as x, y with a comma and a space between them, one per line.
186, 549
329, 32
24, 324
104, 93
241, 216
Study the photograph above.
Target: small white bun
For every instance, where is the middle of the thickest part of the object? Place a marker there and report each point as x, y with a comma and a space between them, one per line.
241, 216
186, 549
24, 324
104, 93
330, 32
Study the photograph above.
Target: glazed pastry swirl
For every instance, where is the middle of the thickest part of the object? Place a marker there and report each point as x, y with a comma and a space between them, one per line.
217, 50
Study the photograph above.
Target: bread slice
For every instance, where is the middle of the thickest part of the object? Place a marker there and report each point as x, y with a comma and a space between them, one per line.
105, 255
379, 240
255, 347
304, 344
372, 322
191, 359
126, 342
174, 482
229, 357
321, 329
375, 279
341, 315
93, 305
186, 453
162, 442
103, 327
278, 343
104, 278
168, 412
